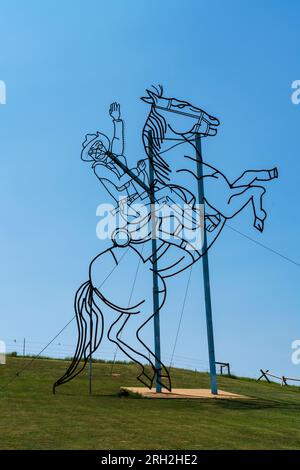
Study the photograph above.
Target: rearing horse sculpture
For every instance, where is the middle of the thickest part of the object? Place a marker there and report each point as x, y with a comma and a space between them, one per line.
172, 125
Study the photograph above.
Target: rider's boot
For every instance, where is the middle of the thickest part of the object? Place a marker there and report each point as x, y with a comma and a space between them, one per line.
211, 222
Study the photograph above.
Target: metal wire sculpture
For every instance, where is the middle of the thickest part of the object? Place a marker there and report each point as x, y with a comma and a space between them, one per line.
164, 178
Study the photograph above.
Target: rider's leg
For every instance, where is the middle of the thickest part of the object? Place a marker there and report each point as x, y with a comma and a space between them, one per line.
238, 200
250, 176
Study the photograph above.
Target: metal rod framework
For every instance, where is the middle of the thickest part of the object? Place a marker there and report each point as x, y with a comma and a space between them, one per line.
205, 265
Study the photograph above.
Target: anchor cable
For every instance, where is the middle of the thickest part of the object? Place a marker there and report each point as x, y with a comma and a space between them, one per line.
181, 315
17, 374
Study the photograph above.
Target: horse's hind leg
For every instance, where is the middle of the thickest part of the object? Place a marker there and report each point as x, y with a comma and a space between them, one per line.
250, 176
137, 323
160, 370
132, 351
136, 349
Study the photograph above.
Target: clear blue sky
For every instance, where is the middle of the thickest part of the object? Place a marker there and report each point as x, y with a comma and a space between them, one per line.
64, 62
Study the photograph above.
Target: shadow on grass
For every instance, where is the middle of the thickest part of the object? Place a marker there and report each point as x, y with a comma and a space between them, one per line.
255, 404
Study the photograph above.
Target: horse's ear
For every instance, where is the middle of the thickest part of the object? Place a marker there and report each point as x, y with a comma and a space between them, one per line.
151, 98
147, 99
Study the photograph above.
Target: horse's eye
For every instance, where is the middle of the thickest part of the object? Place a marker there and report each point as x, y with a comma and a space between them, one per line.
181, 106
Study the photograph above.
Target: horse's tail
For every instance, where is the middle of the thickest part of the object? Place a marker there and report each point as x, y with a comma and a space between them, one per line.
90, 324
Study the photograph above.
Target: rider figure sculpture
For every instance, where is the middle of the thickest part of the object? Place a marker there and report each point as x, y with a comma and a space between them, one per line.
171, 137
224, 199
97, 149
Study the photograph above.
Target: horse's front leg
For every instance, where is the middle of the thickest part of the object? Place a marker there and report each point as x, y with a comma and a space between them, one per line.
238, 200
250, 176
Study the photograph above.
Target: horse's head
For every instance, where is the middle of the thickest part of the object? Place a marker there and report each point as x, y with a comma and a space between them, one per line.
181, 116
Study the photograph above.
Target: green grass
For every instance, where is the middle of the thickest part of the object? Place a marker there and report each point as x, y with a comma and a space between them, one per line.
32, 418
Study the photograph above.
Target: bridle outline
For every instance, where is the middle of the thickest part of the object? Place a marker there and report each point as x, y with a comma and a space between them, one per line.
199, 118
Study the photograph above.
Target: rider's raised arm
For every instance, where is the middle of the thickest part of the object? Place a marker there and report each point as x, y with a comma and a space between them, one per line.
117, 144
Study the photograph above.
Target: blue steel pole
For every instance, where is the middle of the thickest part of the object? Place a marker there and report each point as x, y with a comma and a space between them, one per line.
91, 341
155, 276
207, 296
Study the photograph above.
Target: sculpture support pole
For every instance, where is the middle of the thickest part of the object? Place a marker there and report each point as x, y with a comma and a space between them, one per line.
155, 276
91, 339
208, 307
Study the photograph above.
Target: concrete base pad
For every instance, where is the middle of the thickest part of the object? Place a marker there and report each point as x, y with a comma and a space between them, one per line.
183, 393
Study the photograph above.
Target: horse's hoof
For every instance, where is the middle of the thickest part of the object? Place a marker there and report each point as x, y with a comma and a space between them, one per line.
273, 173
259, 224
145, 380
165, 383
163, 380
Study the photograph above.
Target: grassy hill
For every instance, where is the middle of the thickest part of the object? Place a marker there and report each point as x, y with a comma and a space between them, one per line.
32, 418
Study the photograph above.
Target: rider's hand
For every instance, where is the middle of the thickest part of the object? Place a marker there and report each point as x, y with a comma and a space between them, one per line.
141, 165
114, 111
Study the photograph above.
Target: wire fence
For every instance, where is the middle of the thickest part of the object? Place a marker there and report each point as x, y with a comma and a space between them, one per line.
59, 350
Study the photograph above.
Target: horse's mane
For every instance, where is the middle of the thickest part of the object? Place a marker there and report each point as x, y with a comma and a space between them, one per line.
154, 131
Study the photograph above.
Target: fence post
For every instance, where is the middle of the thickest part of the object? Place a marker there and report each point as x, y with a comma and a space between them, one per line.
263, 374
283, 380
